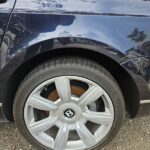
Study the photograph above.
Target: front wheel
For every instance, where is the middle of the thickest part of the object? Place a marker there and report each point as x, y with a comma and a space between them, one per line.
68, 103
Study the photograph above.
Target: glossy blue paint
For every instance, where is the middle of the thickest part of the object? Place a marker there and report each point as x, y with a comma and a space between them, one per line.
116, 29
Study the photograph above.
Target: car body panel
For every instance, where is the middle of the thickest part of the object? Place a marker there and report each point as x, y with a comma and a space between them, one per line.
112, 32
116, 29
5, 11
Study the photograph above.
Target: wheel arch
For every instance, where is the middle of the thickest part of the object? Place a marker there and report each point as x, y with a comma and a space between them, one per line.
129, 89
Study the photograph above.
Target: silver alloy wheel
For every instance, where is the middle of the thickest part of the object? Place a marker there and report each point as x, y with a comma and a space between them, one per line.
69, 115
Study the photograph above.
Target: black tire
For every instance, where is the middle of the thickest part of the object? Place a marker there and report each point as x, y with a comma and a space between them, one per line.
68, 66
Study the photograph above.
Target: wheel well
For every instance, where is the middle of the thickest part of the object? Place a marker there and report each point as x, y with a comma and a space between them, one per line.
129, 89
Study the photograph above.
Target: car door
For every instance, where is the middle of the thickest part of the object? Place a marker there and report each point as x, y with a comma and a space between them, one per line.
6, 7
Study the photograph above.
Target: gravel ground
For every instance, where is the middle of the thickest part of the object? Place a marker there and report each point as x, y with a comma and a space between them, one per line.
134, 135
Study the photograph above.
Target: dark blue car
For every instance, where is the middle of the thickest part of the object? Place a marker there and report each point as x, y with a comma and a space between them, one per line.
70, 69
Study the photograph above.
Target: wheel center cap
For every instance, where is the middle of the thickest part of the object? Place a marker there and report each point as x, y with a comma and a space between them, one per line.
69, 113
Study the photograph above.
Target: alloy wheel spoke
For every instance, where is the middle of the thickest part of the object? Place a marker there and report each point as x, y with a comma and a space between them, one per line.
61, 138
99, 118
42, 125
41, 103
90, 95
85, 135
63, 88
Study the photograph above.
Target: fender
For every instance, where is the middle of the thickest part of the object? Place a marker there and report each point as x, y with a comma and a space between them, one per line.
124, 39
57, 45
13, 61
